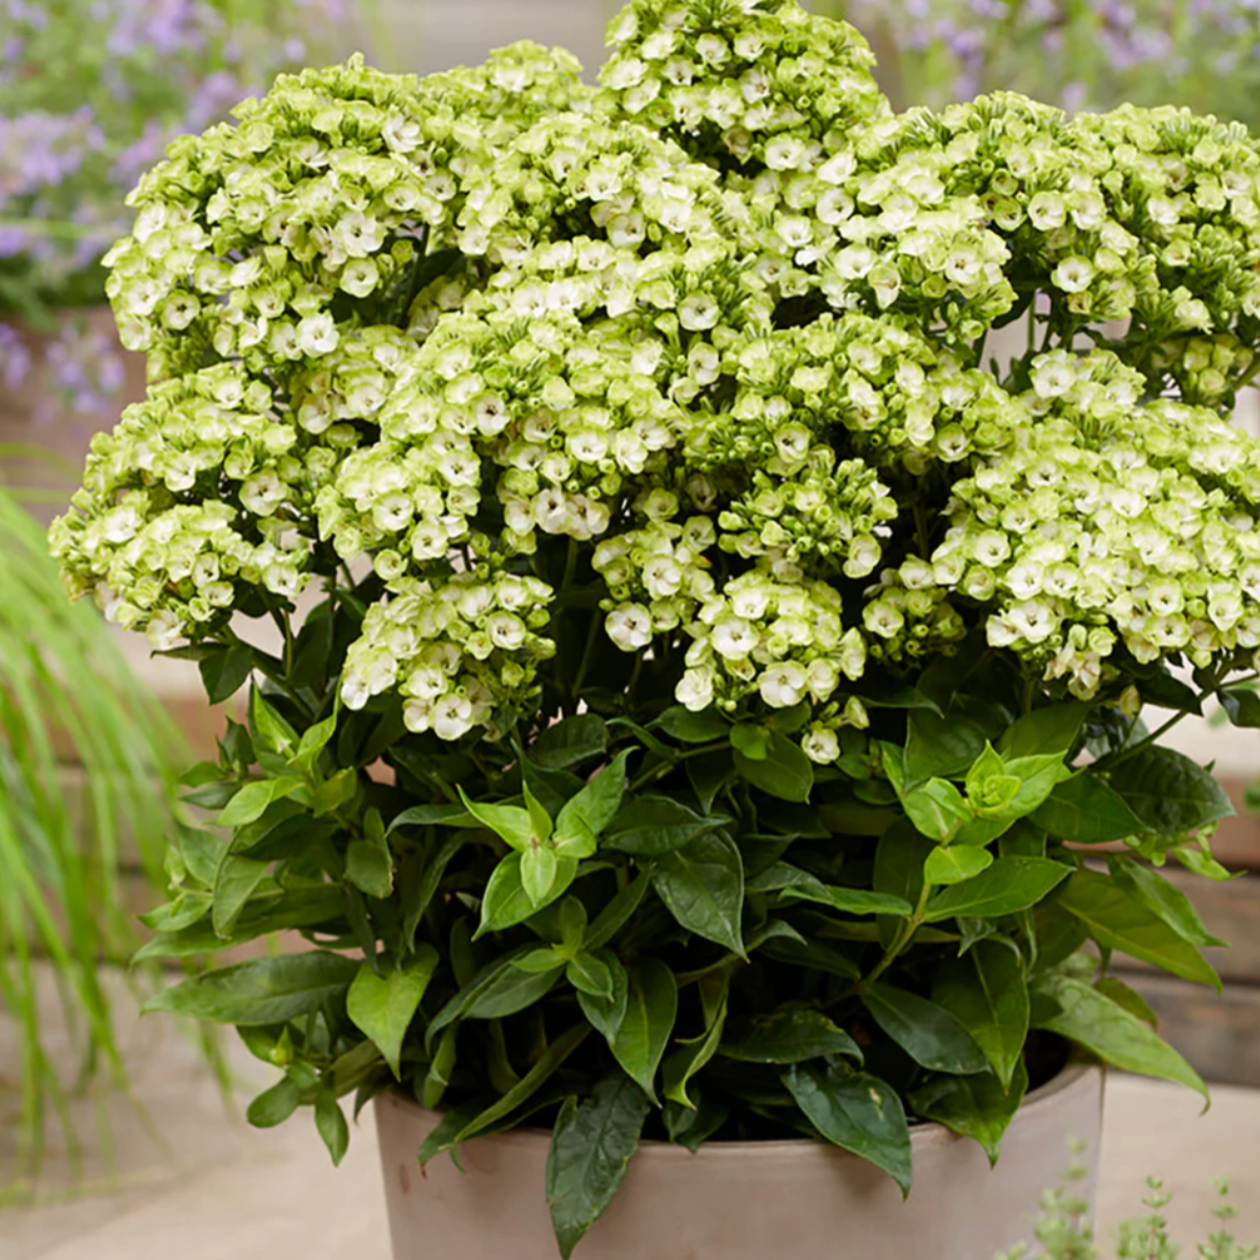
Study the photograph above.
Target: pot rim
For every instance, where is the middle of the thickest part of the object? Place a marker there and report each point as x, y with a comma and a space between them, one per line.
1070, 1076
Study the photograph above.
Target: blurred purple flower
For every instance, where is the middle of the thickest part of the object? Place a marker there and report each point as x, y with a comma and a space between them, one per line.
15, 357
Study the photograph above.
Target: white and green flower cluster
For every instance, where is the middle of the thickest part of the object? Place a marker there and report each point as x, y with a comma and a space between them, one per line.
714, 333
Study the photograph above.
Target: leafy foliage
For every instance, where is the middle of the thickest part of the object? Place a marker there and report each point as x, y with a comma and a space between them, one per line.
719, 680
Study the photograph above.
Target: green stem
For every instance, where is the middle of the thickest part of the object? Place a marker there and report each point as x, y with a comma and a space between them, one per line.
588, 653
900, 942
659, 772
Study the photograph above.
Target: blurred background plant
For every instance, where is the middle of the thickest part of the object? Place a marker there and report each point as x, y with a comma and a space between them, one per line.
1063, 1230
1081, 54
91, 92
87, 782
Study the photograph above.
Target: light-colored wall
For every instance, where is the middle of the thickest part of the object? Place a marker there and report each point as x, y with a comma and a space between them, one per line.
428, 35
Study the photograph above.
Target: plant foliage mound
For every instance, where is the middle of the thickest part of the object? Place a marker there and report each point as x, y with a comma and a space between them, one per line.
696, 668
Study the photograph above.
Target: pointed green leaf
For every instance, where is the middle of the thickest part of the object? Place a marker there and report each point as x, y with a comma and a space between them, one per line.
986, 991
591, 1147
275, 1105
978, 1107
1117, 920
855, 1111
1085, 810
1170, 793
510, 823
330, 1120
251, 802
261, 991
648, 1022
507, 902
1082, 1014
649, 826
955, 864
789, 1036
702, 884
785, 771
235, 883
1010, 885
595, 806
382, 1007
570, 742
928, 1033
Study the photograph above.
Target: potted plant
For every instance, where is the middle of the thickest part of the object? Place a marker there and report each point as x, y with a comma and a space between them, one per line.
706, 708
89, 100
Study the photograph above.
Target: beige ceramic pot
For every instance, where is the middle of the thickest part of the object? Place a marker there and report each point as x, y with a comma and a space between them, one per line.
741, 1201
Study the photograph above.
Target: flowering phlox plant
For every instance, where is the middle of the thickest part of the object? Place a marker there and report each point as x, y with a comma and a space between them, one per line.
695, 669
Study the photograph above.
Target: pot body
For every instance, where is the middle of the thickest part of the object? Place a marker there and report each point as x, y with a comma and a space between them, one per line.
742, 1201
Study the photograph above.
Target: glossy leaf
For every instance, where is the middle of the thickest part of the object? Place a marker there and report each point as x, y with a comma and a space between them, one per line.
693, 728
790, 1036
382, 1007
702, 884
261, 991
955, 864
649, 826
978, 1107
548, 1063
1010, 885
785, 771
1120, 921
1165, 899
570, 742
507, 902
607, 1012
928, 1033
251, 801
695, 1052
1086, 810
1052, 729
275, 1105
1169, 792
330, 1121
648, 1022
595, 806
237, 880
987, 992
1083, 1014
855, 1111
941, 747
848, 900
224, 673
592, 1144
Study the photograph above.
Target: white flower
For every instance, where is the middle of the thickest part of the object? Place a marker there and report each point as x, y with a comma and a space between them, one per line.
629, 627
783, 686
733, 638
820, 745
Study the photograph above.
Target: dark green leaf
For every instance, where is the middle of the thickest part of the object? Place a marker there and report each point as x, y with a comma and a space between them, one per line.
855, 1111
591, 1147
251, 802
606, 1013
570, 742
1241, 704
382, 1007
275, 1105
702, 884
987, 993
1117, 920
848, 900
928, 1033
550, 1060
1053, 729
940, 747
789, 1036
330, 1120
1085, 810
1082, 1014
693, 728
497, 990
1010, 885
785, 771
617, 913
1166, 692
224, 673
261, 991
1169, 792
445, 815
695, 1052
1130, 999
235, 883
977, 1107
814, 955
648, 1022
649, 826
